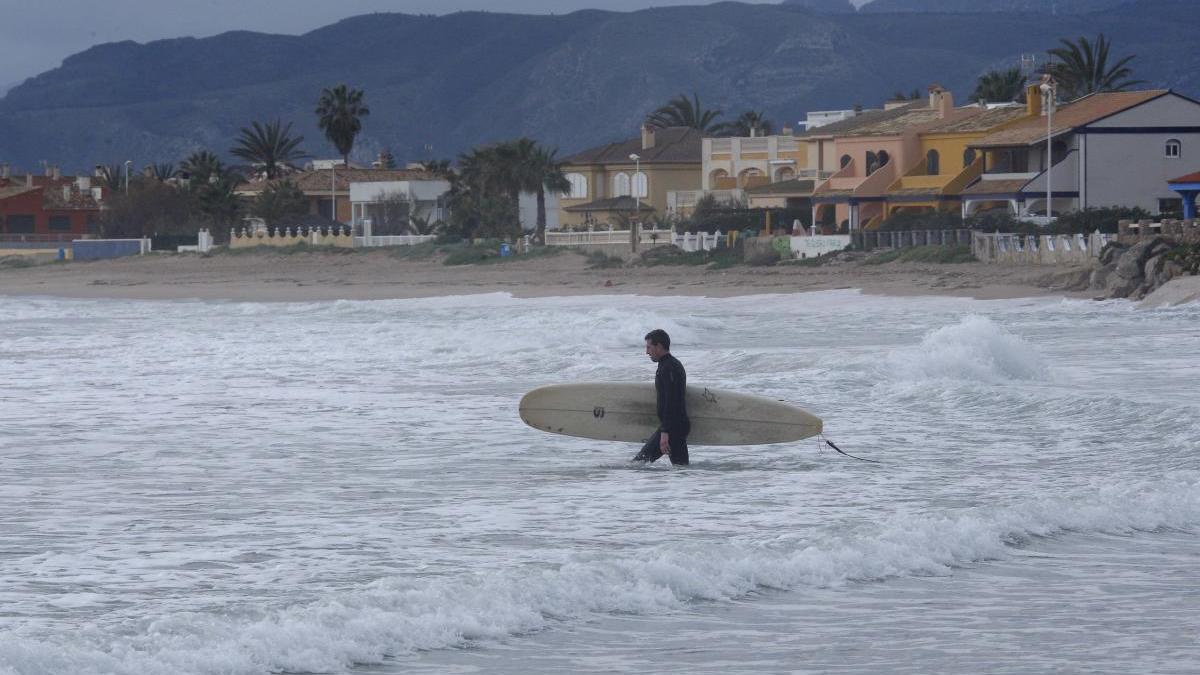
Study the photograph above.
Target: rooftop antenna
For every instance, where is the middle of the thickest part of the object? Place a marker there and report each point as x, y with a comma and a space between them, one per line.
1028, 65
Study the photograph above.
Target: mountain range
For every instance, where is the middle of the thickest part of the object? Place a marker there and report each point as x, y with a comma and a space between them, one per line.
439, 85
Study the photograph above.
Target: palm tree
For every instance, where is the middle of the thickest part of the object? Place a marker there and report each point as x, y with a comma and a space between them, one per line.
749, 123
439, 167
163, 172
111, 176
547, 171
683, 112
1000, 86
269, 147
339, 114
1083, 68
201, 166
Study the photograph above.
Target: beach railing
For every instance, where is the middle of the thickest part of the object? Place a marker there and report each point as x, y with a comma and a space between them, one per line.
1184, 231
393, 240
1044, 249
868, 240
339, 237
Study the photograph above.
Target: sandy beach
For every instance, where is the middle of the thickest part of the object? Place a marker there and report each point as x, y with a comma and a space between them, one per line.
369, 275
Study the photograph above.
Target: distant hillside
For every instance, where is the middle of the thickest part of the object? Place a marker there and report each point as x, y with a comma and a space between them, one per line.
825, 6
572, 81
988, 6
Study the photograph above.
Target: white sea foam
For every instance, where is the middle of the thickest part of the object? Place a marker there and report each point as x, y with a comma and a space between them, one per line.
975, 349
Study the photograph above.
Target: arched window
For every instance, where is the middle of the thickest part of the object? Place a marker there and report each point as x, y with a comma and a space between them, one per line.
845, 161
884, 157
872, 162
968, 157
621, 185
579, 186
785, 173
640, 185
1174, 149
932, 163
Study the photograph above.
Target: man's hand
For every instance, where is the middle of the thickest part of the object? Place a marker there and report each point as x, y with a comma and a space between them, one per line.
664, 443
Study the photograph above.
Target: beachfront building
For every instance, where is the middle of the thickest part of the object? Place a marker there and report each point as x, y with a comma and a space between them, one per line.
50, 206
1187, 187
328, 189
630, 179
870, 148
389, 207
1106, 149
946, 164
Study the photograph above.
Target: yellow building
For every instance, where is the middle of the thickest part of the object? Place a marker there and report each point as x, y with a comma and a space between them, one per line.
946, 164
630, 178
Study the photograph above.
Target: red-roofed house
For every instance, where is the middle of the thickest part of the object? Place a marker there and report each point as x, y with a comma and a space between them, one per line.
1188, 187
50, 206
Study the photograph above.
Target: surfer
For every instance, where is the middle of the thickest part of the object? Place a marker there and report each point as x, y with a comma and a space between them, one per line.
670, 383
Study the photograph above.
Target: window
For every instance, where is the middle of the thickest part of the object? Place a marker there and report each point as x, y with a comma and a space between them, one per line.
23, 224
1174, 149
968, 157
884, 157
621, 185
640, 185
845, 161
872, 162
579, 186
60, 223
785, 173
932, 163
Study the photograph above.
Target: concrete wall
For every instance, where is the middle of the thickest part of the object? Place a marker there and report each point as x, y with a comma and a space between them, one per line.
341, 238
1046, 249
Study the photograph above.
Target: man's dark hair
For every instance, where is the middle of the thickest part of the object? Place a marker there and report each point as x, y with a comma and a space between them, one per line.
659, 336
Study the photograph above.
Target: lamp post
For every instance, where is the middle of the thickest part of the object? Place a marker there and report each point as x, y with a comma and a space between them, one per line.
633, 192
128, 163
1049, 89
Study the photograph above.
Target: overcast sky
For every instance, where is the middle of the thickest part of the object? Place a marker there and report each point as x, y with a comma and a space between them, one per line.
35, 35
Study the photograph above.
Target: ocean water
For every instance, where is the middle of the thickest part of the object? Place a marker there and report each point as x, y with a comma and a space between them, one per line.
346, 487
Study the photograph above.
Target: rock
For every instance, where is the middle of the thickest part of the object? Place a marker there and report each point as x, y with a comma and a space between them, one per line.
1111, 252
1177, 291
1129, 273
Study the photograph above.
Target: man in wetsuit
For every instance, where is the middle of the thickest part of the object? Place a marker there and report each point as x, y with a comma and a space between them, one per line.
669, 382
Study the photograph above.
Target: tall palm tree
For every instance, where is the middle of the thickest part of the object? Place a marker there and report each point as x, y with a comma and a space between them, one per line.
438, 167
269, 147
1000, 86
749, 123
339, 114
1083, 68
547, 174
111, 176
684, 112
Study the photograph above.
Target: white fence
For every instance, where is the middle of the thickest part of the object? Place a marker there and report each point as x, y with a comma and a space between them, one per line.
204, 243
1045, 249
688, 242
393, 240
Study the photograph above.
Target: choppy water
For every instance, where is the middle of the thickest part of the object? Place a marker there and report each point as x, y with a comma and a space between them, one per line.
346, 487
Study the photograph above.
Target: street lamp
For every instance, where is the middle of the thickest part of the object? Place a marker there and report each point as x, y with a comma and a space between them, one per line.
1049, 90
128, 163
637, 170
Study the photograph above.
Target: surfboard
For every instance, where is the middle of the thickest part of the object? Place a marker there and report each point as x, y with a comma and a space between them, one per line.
610, 411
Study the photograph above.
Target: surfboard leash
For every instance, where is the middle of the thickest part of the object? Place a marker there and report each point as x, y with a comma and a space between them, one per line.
821, 438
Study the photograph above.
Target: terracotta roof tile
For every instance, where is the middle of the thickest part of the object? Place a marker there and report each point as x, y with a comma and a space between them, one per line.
1190, 178
674, 145
896, 125
996, 187
1067, 117
846, 127
982, 120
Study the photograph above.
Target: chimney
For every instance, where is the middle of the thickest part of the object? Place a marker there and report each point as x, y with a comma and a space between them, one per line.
83, 183
29, 180
1033, 101
940, 100
647, 137
55, 172
98, 172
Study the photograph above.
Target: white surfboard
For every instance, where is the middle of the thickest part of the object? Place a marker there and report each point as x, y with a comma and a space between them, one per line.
627, 412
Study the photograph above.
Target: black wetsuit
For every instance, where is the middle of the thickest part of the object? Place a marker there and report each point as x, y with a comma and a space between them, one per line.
669, 383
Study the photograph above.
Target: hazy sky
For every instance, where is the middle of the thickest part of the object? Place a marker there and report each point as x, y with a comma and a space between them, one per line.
35, 35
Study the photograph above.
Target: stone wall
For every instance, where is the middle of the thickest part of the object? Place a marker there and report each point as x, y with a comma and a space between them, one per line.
339, 237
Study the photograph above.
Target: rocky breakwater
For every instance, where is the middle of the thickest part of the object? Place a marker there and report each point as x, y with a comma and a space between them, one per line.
1146, 257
